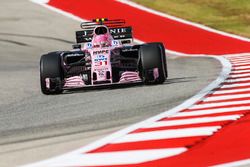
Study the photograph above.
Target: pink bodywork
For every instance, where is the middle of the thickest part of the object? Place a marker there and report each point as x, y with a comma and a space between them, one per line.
101, 65
75, 81
129, 76
100, 49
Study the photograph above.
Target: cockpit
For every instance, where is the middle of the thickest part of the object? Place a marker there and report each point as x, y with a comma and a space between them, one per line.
101, 37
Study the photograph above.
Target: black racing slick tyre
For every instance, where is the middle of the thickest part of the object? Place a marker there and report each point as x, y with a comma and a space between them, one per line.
159, 44
151, 58
50, 68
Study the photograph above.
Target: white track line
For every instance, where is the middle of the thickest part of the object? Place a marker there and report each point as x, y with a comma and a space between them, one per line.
235, 85
241, 68
240, 63
240, 58
113, 158
227, 97
210, 111
167, 134
221, 92
193, 121
245, 57
237, 80
209, 105
245, 163
237, 56
240, 71
240, 75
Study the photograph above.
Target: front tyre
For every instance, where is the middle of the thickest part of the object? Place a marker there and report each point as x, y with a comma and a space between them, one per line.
152, 64
51, 76
159, 44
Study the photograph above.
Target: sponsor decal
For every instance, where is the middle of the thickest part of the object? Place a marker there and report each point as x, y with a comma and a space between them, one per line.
86, 32
101, 73
101, 69
88, 39
118, 30
100, 60
75, 54
115, 43
101, 52
89, 45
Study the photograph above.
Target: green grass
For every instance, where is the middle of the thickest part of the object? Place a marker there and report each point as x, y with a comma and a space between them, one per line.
232, 16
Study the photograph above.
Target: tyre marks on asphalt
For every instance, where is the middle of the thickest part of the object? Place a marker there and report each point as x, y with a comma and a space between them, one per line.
14, 42
8, 35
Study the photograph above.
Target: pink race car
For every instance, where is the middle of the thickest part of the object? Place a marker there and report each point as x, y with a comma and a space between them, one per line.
104, 55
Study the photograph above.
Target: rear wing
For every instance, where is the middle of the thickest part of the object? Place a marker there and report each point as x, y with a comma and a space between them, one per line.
116, 28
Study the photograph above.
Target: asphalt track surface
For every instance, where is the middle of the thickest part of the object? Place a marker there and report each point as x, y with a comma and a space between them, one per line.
34, 126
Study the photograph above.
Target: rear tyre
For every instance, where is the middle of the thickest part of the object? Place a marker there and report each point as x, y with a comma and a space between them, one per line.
151, 59
50, 68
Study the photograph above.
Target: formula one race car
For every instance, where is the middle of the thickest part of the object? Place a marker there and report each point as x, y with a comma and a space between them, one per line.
103, 55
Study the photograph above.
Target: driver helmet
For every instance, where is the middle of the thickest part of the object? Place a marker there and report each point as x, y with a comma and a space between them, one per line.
102, 40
